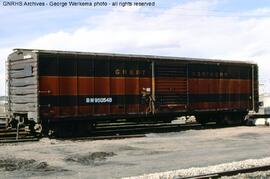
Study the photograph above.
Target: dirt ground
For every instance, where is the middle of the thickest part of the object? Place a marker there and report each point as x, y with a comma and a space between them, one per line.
131, 157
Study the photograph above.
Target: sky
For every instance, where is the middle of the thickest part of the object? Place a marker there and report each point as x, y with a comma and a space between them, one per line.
216, 29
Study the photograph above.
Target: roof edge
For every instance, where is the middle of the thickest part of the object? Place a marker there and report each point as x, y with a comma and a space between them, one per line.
134, 55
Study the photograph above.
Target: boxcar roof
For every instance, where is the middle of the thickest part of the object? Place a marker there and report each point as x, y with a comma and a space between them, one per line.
141, 57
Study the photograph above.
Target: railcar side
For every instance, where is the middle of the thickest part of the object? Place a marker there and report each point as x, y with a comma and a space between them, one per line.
62, 90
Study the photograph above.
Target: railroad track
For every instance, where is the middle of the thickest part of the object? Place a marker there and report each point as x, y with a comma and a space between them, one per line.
108, 131
11, 135
227, 173
140, 130
108, 137
152, 127
120, 131
102, 131
144, 128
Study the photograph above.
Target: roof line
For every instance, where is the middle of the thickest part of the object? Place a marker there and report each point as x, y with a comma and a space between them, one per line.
133, 55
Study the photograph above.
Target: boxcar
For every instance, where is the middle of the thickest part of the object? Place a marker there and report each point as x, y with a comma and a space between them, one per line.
57, 89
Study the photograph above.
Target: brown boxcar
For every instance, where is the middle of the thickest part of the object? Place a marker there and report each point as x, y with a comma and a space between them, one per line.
56, 88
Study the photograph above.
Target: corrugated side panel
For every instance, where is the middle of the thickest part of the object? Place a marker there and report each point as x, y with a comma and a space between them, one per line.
171, 85
85, 86
23, 85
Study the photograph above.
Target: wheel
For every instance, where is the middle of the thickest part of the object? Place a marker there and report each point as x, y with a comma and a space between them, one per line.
239, 119
202, 119
224, 120
83, 128
231, 119
45, 127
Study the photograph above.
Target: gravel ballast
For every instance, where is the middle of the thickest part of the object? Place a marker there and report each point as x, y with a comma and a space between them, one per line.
102, 159
211, 169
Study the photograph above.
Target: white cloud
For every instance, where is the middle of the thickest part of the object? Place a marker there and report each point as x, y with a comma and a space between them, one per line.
3, 56
177, 31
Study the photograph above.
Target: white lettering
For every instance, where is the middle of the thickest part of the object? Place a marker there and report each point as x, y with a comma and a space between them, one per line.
98, 100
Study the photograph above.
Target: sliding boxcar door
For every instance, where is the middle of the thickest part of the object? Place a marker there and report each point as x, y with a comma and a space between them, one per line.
171, 86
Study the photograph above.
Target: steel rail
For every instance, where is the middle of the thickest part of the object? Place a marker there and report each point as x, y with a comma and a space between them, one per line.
228, 173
